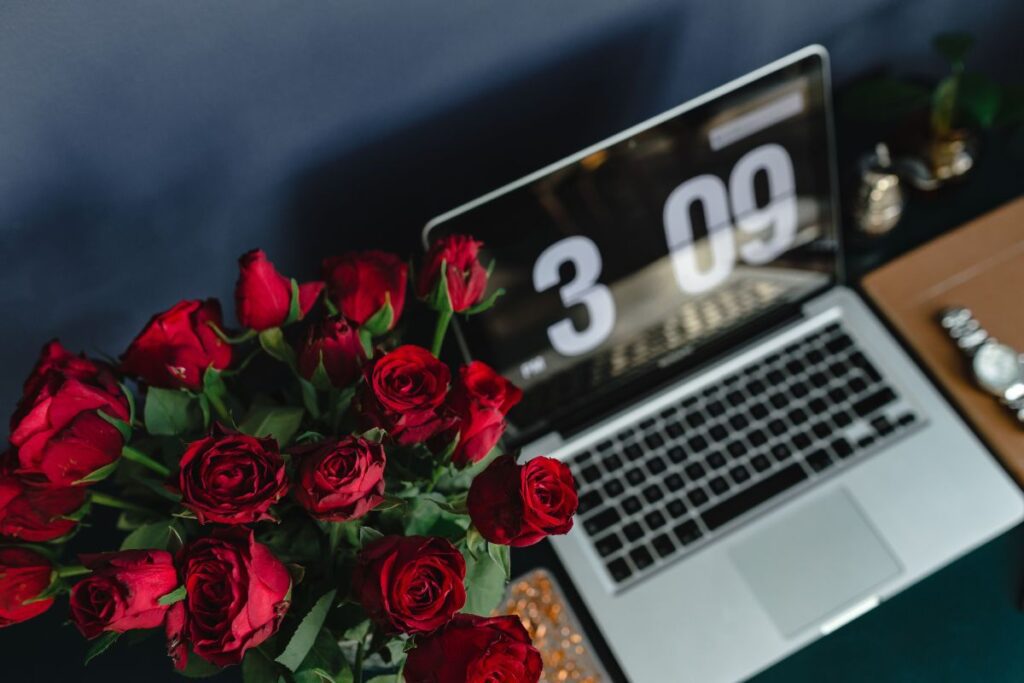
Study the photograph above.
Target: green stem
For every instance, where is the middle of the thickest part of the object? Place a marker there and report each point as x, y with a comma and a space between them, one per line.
333, 540
72, 570
218, 406
112, 502
443, 318
357, 670
129, 453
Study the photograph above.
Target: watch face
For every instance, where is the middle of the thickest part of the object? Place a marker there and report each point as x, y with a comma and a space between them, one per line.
997, 367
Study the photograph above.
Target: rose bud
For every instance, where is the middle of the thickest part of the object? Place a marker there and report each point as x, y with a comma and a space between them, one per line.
478, 431
340, 479
479, 384
176, 346
480, 400
237, 595
263, 297
359, 284
123, 591
474, 649
403, 392
36, 515
232, 478
24, 574
57, 431
519, 505
335, 344
410, 584
465, 277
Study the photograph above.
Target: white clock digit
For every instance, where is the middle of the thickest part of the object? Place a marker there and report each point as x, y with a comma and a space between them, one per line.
778, 217
710, 191
583, 289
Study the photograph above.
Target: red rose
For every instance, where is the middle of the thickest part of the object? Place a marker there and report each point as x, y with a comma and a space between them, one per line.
232, 478
263, 297
474, 649
237, 595
341, 479
335, 344
57, 431
177, 346
123, 591
33, 514
360, 282
410, 584
24, 574
465, 276
480, 400
519, 505
403, 393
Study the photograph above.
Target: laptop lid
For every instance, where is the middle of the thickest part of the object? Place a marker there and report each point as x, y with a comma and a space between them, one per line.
658, 248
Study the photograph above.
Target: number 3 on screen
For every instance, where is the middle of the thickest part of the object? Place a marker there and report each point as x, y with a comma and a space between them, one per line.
779, 215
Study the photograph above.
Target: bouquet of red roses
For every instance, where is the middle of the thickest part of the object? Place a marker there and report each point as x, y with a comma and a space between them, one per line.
303, 496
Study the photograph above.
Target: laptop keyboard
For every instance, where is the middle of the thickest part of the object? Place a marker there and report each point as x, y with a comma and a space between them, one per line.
672, 481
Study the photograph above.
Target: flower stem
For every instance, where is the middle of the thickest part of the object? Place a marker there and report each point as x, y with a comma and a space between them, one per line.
72, 570
357, 670
443, 318
112, 502
129, 453
218, 407
333, 539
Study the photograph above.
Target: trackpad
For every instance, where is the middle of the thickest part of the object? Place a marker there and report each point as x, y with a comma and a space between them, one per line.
814, 561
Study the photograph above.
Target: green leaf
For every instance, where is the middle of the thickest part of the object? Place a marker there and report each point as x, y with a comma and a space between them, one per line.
176, 595
130, 397
485, 304
323, 659
368, 535
149, 536
502, 556
309, 395
280, 422
101, 645
123, 427
380, 322
944, 105
366, 339
485, 584
980, 97
170, 412
426, 518
953, 47
198, 667
438, 299
99, 474
273, 342
294, 308
257, 668
306, 633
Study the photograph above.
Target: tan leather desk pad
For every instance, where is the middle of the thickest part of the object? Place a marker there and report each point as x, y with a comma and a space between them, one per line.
981, 266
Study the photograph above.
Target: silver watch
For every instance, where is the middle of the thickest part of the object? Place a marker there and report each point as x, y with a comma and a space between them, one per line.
997, 368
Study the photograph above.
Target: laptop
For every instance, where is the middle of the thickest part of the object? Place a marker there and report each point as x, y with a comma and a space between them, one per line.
758, 460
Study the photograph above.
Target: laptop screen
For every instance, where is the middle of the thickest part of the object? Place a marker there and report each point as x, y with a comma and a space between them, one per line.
655, 247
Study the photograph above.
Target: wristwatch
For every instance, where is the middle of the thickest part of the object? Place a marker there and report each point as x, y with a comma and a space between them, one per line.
997, 368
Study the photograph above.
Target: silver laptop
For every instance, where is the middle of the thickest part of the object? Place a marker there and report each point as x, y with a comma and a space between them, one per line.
758, 461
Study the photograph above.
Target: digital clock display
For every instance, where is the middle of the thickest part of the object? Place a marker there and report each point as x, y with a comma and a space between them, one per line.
623, 261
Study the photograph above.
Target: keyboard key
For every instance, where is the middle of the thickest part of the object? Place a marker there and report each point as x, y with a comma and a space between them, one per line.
676, 454
655, 520
818, 379
663, 545
842, 418
697, 443
858, 359
687, 532
760, 463
589, 501
751, 497
631, 505
695, 471
718, 433
590, 474
669, 412
653, 493
777, 427
719, 485
673, 482
817, 406
633, 452
695, 419
619, 570
906, 419
781, 451
801, 441
841, 447
739, 474
776, 377
736, 449
778, 400
584, 456
654, 440
646, 423
857, 385
838, 369
882, 425
799, 389
656, 465
837, 394
697, 496
736, 398
676, 508
601, 521
759, 411
794, 367
819, 460
756, 387
605, 445
608, 544
634, 476
815, 356
739, 422
633, 531
614, 488
797, 416
716, 408
822, 430
716, 460
674, 430
865, 441
757, 437
840, 343
641, 558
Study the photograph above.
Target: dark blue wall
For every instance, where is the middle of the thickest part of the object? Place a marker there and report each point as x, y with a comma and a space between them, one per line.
143, 146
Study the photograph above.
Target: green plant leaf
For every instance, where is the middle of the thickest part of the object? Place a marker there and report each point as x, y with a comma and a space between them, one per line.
953, 47
944, 105
176, 595
101, 645
99, 474
438, 298
198, 667
380, 322
257, 668
309, 396
170, 412
294, 308
368, 535
123, 427
502, 556
130, 397
280, 422
485, 584
323, 660
149, 536
980, 98
306, 633
486, 304
273, 342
